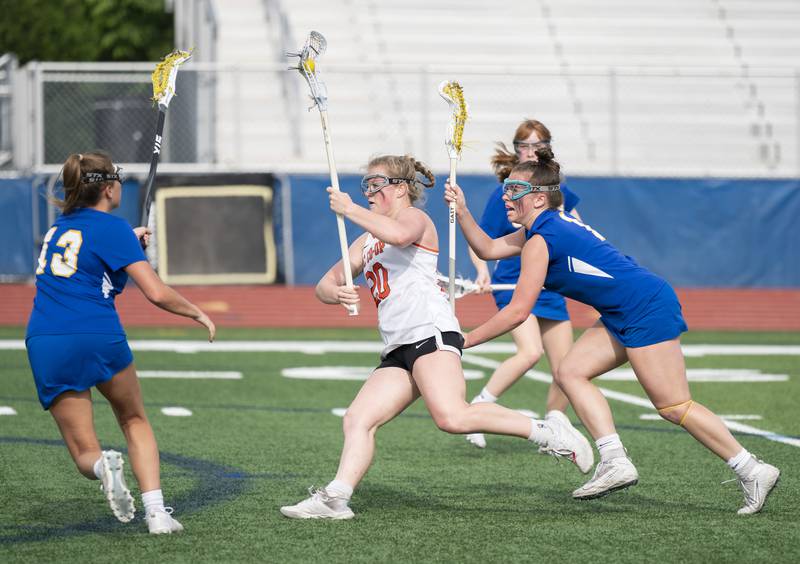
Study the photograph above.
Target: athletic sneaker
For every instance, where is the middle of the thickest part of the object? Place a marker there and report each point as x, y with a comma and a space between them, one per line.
757, 486
319, 506
609, 476
116, 491
476, 439
161, 522
568, 442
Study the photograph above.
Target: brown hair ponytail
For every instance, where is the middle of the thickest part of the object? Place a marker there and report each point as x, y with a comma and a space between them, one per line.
79, 194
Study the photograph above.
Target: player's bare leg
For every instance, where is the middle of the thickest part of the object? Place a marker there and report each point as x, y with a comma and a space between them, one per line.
441, 383
385, 394
661, 370
125, 395
528, 343
73, 414
595, 353
556, 341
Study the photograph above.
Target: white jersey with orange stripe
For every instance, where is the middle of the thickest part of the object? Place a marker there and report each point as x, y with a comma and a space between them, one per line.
411, 304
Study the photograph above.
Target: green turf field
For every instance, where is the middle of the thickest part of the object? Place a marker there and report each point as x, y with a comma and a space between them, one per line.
256, 443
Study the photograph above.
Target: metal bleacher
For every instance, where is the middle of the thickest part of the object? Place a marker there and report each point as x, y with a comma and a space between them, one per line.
688, 87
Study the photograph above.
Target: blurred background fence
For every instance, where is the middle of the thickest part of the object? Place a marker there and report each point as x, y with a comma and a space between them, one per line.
252, 117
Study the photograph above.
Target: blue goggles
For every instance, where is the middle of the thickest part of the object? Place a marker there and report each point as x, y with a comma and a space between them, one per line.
516, 189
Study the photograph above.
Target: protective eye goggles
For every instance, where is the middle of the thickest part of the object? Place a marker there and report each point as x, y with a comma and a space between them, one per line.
520, 146
374, 183
515, 189
91, 177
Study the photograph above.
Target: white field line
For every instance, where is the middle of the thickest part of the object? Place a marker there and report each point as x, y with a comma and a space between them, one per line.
176, 411
190, 374
635, 400
348, 373
732, 417
6, 410
322, 347
704, 375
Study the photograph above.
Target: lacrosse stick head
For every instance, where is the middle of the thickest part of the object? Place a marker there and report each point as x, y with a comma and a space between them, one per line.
453, 94
313, 49
165, 75
463, 287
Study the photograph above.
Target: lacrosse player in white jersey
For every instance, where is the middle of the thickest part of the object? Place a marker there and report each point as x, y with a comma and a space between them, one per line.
422, 338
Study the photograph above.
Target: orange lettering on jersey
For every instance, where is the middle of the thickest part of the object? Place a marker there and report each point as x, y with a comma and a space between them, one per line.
376, 249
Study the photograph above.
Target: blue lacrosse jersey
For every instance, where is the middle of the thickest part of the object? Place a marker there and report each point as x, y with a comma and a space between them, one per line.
585, 267
79, 273
494, 222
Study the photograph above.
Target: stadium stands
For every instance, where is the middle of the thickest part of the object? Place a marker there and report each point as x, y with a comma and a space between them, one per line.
690, 87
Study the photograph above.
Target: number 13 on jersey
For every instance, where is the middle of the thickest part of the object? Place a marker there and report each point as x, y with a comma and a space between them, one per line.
61, 264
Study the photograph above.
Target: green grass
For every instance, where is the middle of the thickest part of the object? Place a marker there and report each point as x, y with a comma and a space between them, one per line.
255, 444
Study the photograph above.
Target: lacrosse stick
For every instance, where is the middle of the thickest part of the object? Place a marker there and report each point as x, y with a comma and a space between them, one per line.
163, 77
453, 94
464, 287
314, 48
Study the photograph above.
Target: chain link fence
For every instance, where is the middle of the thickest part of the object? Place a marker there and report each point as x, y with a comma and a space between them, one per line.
668, 122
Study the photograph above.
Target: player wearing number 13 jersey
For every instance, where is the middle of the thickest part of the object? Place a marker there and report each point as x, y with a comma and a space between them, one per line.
75, 340
422, 354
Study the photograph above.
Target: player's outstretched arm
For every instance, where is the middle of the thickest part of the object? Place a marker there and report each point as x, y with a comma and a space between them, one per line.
484, 246
531, 279
165, 297
331, 288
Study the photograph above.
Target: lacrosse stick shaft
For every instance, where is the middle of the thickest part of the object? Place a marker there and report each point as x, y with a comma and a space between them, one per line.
348, 273
151, 176
451, 252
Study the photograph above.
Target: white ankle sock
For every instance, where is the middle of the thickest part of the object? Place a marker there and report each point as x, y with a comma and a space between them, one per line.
153, 500
541, 432
98, 468
610, 447
485, 396
743, 464
339, 489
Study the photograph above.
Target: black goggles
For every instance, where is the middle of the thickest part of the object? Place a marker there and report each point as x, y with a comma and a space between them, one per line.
374, 183
90, 177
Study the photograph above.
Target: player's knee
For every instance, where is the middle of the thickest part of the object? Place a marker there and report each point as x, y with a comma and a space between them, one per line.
450, 422
676, 413
132, 419
531, 355
354, 422
565, 374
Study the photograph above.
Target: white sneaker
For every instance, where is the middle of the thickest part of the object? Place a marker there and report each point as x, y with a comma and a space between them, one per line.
476, 439
161, 522
609, 476
568, 442
319, 506
116, 491
757, 486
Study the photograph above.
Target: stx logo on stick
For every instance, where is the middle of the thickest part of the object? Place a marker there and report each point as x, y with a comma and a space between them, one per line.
157, 145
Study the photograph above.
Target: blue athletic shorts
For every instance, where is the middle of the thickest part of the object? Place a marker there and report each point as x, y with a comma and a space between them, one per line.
550, 305
660, 321
75, 362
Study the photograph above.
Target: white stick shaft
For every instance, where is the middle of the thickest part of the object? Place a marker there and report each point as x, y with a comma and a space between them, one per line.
348, 273
451, 252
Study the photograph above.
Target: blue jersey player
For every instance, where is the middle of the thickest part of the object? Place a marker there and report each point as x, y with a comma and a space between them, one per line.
640, 322
547, 329
75, 340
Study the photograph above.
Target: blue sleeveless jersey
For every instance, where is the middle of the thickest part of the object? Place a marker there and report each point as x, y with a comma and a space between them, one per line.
586, 268
80, 271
